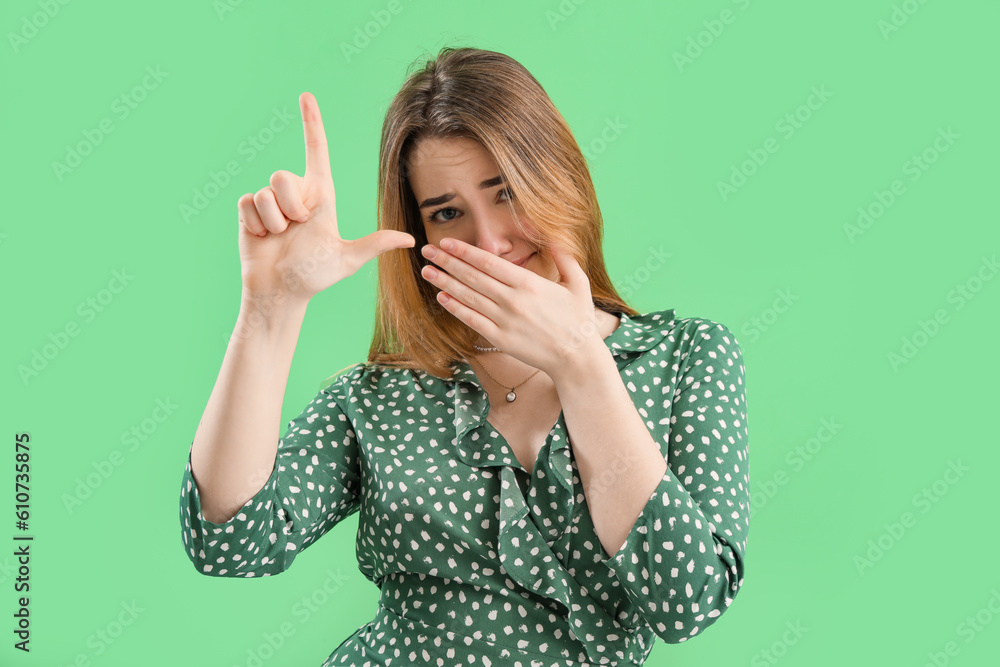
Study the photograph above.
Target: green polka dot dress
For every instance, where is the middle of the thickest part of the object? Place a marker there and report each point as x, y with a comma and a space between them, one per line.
479, 562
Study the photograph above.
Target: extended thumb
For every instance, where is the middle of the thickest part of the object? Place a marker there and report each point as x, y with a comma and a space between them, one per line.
379, 242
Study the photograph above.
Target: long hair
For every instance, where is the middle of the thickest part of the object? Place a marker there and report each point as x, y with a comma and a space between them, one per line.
491, 98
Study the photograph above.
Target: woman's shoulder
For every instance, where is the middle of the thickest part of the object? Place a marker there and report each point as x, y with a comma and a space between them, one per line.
669, 316
686, 335
669, 322
345, 375
366, 376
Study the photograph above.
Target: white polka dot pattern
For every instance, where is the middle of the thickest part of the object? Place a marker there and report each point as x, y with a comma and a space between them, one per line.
479, 561
313, 487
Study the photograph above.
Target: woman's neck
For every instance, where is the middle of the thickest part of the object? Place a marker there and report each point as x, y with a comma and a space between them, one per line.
507, 368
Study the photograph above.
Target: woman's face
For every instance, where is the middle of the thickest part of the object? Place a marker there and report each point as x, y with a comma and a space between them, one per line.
457, 186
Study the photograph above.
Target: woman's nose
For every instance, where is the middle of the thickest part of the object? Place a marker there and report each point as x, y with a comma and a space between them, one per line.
491, 238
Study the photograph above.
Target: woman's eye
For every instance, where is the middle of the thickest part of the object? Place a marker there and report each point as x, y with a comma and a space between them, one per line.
434, 216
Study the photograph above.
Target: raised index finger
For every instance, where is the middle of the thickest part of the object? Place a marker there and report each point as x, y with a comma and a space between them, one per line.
317, 152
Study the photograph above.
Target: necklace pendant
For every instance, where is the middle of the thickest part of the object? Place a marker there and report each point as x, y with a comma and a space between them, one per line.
511, 396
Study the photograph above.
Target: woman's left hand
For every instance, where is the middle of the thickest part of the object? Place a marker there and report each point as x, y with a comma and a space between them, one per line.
531, 318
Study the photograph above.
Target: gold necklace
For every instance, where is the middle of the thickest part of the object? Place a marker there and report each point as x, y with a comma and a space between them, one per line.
511, 395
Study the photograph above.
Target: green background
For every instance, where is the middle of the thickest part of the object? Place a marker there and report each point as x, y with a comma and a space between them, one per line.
846, 439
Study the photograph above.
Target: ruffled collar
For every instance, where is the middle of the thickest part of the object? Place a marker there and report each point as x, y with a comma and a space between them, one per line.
519, 534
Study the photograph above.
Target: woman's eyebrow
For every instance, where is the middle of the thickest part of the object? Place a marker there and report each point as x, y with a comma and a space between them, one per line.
434, 201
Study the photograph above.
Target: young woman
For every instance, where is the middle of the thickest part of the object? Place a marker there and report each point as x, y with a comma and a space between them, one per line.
544, 475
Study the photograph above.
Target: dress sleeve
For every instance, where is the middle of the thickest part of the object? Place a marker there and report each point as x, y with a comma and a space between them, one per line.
683, 560
315, 484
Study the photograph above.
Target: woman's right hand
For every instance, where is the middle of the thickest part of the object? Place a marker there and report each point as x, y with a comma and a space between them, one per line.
289, 242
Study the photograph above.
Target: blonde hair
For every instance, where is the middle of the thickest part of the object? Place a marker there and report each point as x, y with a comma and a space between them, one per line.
490, 98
